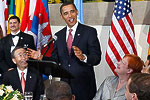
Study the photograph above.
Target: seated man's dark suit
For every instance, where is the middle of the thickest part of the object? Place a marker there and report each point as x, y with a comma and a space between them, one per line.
34, 82
25, 40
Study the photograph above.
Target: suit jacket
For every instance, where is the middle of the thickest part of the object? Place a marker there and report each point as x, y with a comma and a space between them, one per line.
34, 82
5, 47
107, 90
83, 85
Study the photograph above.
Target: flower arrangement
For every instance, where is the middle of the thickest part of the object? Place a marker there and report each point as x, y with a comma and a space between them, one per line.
7, 93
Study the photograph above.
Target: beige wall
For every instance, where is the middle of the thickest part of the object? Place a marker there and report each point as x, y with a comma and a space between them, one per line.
99, 15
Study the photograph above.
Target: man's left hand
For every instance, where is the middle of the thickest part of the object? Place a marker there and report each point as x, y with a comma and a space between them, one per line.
78, 53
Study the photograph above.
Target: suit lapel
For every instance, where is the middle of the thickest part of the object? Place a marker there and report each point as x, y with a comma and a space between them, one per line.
9, 43
63, 40
17, 79
20, 41
29, 80
77, 36
10, 40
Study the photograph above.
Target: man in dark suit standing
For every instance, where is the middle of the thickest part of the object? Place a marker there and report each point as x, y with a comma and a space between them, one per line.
24, 78
83, 55
8, 43
77, 49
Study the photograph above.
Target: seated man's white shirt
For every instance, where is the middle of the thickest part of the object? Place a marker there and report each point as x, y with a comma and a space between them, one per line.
25, 73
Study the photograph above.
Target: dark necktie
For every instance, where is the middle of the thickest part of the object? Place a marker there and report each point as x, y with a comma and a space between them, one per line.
14, 35
69, 41
22, 82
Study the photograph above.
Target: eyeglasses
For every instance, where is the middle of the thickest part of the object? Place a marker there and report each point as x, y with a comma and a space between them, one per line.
22, 55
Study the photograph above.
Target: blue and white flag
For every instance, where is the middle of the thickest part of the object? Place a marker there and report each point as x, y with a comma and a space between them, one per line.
79, 5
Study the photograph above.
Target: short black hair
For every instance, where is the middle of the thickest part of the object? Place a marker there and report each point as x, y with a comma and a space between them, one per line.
65, 4
14, 17
58, 90
13, 52
140, 84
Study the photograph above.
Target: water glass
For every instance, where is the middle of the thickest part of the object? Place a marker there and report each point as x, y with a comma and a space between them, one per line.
28, 96
43, 97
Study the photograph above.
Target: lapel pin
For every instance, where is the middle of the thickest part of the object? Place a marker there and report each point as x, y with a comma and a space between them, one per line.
30, 76
25, 46
78, 34
21, 37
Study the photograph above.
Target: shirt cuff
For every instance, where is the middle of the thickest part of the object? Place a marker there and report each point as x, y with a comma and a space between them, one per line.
85, 60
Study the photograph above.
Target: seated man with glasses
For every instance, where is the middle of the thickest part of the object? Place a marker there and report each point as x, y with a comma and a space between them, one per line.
24, 78
113, 87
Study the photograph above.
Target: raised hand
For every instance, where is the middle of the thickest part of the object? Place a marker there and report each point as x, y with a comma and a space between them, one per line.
78, 53
34, 54
146, 69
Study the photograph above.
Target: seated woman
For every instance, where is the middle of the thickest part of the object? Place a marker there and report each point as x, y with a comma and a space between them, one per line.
113, 87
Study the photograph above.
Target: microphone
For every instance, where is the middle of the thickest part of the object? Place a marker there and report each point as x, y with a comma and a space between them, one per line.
50, 41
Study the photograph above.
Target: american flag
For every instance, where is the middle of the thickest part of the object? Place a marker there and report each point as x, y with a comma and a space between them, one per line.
121, 35
3, 17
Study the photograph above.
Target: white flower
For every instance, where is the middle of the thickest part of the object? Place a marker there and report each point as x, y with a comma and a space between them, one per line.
14, 98
1, 92
7, 93
9, 89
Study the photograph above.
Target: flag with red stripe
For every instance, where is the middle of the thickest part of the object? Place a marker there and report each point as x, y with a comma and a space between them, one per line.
3, 16
36, 22
121, 35
148, 40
